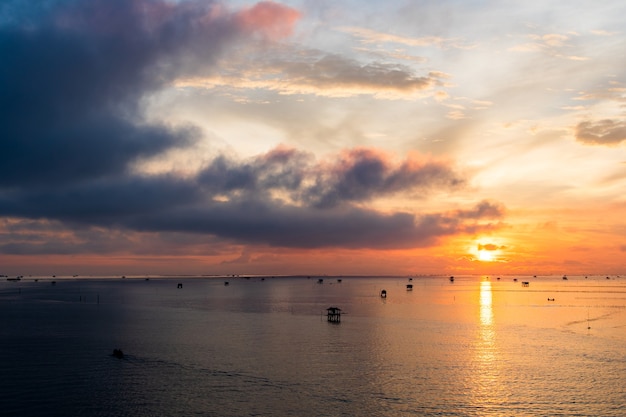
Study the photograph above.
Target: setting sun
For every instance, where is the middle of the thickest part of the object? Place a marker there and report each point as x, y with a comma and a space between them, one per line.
485, 250
486, 256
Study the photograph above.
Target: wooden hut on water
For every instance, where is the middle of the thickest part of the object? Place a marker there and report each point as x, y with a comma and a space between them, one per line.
333, 314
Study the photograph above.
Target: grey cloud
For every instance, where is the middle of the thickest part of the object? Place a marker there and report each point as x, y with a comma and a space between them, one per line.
73, 75
363, 174
329, 71
358, 175
248, 211
278, 169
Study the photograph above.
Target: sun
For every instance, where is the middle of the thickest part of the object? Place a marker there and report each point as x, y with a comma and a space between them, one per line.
487, 250
486, 255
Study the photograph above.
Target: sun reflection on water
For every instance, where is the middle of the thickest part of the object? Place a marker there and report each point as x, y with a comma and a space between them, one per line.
486, 344
486, 367
486, 310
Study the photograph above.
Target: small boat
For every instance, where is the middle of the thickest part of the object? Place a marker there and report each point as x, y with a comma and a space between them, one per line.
451, 279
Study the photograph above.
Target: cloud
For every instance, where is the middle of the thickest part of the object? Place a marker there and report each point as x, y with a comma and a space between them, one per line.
361, 174
368, 36
74, 74
45, 237
271, 19
253, 222
553, 44
356, 175
327, 75
283, 198
603, 132
484, 209
490, 247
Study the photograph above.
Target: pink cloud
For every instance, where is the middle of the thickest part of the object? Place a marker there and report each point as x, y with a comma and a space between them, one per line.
269, 19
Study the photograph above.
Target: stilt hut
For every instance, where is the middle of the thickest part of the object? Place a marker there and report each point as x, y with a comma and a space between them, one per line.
333, 314
383, 294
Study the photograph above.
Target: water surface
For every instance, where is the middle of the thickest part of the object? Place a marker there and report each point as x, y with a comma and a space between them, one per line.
262, 347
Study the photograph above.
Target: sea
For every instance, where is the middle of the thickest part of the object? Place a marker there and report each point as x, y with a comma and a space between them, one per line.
263, 346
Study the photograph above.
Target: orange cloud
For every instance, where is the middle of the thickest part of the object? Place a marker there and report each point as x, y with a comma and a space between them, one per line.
272, 20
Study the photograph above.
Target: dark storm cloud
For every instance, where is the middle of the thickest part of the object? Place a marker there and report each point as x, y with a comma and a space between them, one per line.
603, 132
73, 74
290, 226
103, 203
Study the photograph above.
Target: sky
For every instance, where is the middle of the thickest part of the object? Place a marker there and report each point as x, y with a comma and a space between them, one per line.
312, 137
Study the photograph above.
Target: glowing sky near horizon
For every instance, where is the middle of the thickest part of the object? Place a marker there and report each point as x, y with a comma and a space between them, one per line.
312, 137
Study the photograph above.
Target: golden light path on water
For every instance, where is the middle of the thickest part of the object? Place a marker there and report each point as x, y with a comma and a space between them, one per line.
486, 367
